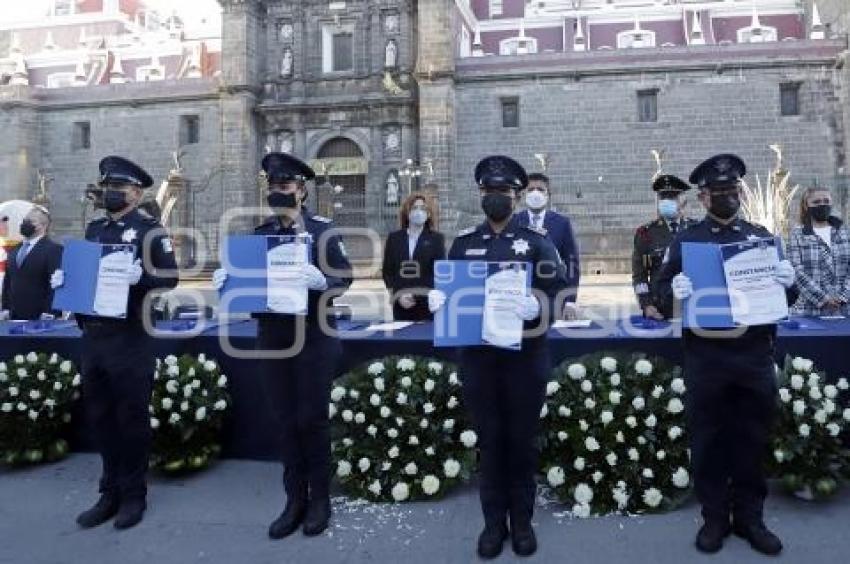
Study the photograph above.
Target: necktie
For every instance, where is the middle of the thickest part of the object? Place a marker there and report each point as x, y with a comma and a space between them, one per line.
538, 223
22, 254
674, 226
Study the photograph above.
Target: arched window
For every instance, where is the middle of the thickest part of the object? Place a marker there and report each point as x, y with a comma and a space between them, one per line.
340, 147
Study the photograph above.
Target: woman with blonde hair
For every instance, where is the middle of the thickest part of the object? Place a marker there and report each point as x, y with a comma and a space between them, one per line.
409, 257
819, 249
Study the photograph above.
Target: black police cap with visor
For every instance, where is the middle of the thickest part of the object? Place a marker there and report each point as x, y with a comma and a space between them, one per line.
500, 172
281, 167
720, 171
669, 186
118, 170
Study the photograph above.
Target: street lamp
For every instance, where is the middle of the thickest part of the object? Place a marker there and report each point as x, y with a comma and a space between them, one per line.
410, 171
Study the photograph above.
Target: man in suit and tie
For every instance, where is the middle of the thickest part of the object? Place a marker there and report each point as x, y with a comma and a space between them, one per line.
26, 286
557, 228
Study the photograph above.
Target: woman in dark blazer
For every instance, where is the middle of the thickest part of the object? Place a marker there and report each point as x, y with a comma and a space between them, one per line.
409, 258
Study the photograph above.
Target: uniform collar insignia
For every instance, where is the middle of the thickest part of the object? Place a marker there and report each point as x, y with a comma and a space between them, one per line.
520, 246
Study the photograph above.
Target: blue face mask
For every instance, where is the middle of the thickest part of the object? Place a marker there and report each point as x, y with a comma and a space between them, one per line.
668, 209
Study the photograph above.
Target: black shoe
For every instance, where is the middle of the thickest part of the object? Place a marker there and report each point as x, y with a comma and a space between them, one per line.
491, 540
759, 537
523, 540
710, 536
130, 514
289, 520
105, 509
318, 516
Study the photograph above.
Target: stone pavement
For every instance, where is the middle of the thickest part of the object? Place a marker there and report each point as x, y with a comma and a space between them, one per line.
221, 515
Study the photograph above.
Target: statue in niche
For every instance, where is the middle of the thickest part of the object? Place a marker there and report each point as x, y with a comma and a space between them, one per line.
286, 143
392, 144
286, 63
391, 54
392, 189
286, 32
391, 23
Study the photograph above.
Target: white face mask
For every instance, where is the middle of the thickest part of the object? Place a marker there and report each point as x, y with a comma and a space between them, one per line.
418, 217
535, 199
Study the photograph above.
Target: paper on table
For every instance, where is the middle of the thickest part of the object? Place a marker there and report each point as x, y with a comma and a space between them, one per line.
572, 324
113, 288
501, 326
285, 262
389, 326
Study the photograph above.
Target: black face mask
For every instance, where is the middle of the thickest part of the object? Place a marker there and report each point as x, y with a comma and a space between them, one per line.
27, 228
817, 213
497, 207
279, 200
725, 207
114, 200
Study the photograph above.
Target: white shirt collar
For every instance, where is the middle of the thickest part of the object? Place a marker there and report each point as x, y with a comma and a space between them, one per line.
541, 214
32, 242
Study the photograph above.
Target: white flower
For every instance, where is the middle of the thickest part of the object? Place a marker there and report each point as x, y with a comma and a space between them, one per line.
583, 425
815, 394
413, 440
675, 406
385, 467
842, 384
784, 395
220, 405
154, 423
608, 364
375, 487
19, 359
820, 416
556, 476
468, 438
846, 414
375, 400
401, 398
363, 464
657, 391
360, 418
674, 433
430, 484
57, 385
6, 407
171, 360
347, 415
544, 411
448, 424
406, 382
650, 421
583, 494
32, 414
209, 366
435, 367
22, 373
678, 386
411, 469
804, 430
634, 455
393, 452
621, 497
451, 468
385, 411
32, 357
581, 511
652, 497
400, 491
331, 411
830, 391
799, 407
615, 379
829, 407
801, 364
3, 377
201, 413
167, 403
172, 386
354, 394
552, 388
187, 391
834, 429
35, 394
428, 408
41, 376
563, 436
376, 368
779, 455
643, 367
641, 440
578, 464
22, 406
614, 397
648, 473
797, 382
337, 393
184, 406
372, 430
379, 383
589, 403
405, 365
597, 477
392, 433
586, 386
660, 455
430, 451
453, 380
606, 417
452, 403
222, 381
638, 403
343, 468
576, 371
631, 421
591, 444
429, 385
564, 411
611, 459
173, 371
174, 419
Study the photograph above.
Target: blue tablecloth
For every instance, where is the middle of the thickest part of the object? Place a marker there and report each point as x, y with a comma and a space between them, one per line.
249, 432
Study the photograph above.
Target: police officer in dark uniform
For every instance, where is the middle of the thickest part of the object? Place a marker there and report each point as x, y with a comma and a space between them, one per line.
118, 360
730, 377
505, 388
299, 386
651, 241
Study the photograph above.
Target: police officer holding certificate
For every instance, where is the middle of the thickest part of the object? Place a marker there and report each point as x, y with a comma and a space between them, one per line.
730, 376
505, 388
118, 360
298, 386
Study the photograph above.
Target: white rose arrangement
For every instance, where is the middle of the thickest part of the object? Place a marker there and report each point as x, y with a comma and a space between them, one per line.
187, 411
614, 435
409, 437
37, 393
807, 453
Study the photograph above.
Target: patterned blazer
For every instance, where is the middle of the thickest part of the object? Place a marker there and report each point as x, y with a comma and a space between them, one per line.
821, 272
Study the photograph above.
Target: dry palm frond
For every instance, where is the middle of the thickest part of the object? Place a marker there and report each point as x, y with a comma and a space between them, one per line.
769, 204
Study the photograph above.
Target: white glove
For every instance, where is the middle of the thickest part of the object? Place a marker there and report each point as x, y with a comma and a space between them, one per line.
436, 299
682, 287
219, 278
4, 314
47, 317
134, 273
57, 279
571, 311
785, 274
528, 308
314, 278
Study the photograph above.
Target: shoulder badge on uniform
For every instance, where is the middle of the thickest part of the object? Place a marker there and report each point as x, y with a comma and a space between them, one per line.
520, 246
320, 219
467, 231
